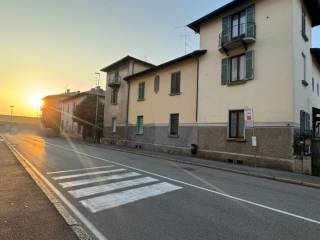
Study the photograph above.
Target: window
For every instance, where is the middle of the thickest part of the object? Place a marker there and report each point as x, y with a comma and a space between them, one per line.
114, 126
237, 68
114, 96
303, 25
236, 124
141, 91
175, 83
304, 67
304, 123
139, 127
312, 84
238, 24
174, 124
156, 84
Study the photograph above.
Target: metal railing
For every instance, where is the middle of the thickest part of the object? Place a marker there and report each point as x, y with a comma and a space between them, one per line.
114, 80
236, 32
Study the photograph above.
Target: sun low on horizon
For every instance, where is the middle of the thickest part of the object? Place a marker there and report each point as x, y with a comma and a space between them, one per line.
35, 101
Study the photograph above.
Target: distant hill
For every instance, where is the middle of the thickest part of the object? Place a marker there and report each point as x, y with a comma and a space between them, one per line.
6, 119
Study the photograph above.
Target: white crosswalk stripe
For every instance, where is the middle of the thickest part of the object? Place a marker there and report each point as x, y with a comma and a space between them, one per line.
98, 179
112, 200
79, 169
88, 174
84, 192
125, 188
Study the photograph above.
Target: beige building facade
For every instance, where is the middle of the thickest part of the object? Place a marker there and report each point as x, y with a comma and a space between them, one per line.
251, 95
255, 63
163, 105
117, 90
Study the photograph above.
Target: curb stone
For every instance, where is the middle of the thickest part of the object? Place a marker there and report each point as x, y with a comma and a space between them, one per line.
274, 178
69, 219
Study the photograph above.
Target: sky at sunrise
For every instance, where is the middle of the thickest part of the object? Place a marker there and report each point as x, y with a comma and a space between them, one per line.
48, 46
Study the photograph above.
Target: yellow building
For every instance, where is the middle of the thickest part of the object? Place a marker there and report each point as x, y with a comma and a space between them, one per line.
258, 58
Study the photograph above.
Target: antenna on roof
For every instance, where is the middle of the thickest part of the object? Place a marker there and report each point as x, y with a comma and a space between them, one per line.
186, 37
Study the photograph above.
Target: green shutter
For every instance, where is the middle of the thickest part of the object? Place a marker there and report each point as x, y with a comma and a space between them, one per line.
225, 76
250, 65
226, 30
250, 28
302, 123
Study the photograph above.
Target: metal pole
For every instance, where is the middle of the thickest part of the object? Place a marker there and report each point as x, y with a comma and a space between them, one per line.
11, 112
97, 106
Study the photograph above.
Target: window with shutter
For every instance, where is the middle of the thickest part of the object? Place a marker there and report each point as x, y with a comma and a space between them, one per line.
139, 126
250, 25
175, 83
141, 91
156, 83
250, 65
226, 31
174, 124
225, 72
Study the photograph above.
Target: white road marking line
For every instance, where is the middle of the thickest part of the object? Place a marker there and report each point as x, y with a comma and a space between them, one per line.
120, 198
79, 169
88, 191
72, 208
98, 179
195, 186
88, 174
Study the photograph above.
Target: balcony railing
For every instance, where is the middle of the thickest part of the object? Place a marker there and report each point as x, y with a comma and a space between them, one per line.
237, 36
114, 80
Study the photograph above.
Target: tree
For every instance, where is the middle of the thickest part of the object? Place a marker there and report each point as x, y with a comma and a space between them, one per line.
85, 115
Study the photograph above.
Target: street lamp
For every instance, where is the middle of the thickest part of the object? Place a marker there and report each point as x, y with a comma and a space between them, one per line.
11, 107
97, 105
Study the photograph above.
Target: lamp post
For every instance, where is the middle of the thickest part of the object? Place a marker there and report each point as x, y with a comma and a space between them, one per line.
97, 106
11, 107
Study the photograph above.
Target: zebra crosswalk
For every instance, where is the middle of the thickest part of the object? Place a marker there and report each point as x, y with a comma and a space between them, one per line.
113, 187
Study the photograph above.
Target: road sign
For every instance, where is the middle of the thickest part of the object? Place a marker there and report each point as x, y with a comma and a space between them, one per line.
248, 117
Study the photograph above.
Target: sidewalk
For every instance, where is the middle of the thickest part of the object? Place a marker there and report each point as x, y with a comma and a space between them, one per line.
277, 175
25, 211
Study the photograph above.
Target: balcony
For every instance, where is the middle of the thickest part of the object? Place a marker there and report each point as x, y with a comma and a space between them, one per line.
237, 36
114, 81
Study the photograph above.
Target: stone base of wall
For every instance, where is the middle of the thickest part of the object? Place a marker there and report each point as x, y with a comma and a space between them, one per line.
118, 138
274, 148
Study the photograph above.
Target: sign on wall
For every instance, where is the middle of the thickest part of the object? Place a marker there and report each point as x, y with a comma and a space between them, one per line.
248, 117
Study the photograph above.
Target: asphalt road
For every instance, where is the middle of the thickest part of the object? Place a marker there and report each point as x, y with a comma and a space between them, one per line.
125, 196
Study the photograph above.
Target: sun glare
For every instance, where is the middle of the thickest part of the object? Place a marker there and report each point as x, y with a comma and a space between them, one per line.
35, 101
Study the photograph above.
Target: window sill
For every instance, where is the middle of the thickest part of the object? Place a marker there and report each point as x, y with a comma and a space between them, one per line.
140, 100
173, 136
236, 139
175, 94
238, 82
304, 36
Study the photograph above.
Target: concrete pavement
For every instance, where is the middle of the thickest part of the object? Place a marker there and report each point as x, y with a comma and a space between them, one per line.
169, 200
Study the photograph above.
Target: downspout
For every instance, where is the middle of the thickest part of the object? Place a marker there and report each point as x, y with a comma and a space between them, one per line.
197, 90
128, 96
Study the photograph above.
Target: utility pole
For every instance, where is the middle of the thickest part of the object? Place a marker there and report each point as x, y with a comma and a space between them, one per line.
97, 105
12, 107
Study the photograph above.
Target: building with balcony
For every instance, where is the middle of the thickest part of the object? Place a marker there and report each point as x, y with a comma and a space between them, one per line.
117, 90
262, 60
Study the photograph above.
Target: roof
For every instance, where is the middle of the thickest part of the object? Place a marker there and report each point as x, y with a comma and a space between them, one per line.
195, 25
171, 62
316, 53
124, 60
313, 7
61, 95
101, 93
